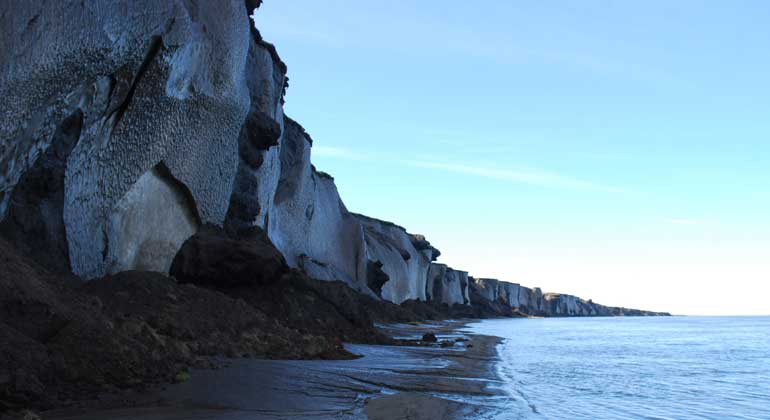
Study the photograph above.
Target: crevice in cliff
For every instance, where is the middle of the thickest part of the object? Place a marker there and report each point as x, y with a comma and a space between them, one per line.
125, 87
375, 277
34, 222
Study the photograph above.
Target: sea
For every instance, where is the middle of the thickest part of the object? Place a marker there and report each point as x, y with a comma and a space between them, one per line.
654, 368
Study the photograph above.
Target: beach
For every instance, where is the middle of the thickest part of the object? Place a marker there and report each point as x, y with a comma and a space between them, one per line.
387, 382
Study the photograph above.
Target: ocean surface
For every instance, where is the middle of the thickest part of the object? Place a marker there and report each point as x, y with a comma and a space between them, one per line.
632, 368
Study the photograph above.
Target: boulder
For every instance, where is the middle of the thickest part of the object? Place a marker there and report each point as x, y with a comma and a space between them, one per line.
213, 258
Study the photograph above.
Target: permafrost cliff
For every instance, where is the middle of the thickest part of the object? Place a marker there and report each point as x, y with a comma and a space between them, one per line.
128, 125
157, 207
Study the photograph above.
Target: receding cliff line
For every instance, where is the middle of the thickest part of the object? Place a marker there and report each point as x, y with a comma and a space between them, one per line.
202, 139
157, 208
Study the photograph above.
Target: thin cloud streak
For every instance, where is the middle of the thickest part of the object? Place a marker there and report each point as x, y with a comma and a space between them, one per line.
337, 152
527, 177
543, 179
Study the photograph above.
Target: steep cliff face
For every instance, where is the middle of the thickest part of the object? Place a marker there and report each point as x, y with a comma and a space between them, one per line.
260, 137
447, 286
146, 124
405, 265
160, 93
486, 288
532, 301
557, 304
309, 222
126, 127
523, 299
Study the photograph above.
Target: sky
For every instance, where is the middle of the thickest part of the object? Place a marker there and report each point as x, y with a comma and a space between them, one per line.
614, 150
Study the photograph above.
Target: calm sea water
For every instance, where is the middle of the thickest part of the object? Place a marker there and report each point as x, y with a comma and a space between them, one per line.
633, 368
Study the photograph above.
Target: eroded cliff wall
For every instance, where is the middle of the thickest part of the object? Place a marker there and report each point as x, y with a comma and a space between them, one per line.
404, 258
154, 86
127, 125
447, 286
309, 222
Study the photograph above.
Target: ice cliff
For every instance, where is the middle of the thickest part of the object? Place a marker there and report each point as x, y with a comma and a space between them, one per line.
127, 125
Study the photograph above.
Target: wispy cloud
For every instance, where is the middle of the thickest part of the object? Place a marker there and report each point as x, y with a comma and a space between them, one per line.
537, 178
338, 152
522, 176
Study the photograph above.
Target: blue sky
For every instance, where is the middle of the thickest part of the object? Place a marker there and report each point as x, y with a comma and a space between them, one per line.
614, 150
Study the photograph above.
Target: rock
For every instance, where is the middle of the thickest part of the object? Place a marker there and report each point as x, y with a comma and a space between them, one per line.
34, 222
557, 304
405, 266
447, 286
510, 295
212, 258
325, 308
260, 138
429, 337
150, 222
309, 223
87, 113
422, 244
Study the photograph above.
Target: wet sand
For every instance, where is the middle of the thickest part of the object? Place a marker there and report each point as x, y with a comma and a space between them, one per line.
388, 382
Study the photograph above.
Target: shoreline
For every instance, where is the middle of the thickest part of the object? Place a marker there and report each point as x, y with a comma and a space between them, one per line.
408, 381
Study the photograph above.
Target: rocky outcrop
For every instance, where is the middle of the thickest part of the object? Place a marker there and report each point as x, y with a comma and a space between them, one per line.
309, 222
405, 265
522, 299
447, 286
212, 258
533, 302
158, 82
557, 304
260, 137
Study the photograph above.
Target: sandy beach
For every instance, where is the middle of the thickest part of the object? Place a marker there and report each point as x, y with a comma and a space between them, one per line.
387, 382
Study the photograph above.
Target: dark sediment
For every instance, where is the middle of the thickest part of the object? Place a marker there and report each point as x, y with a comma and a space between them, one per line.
64, 342
69, 343
426, 382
